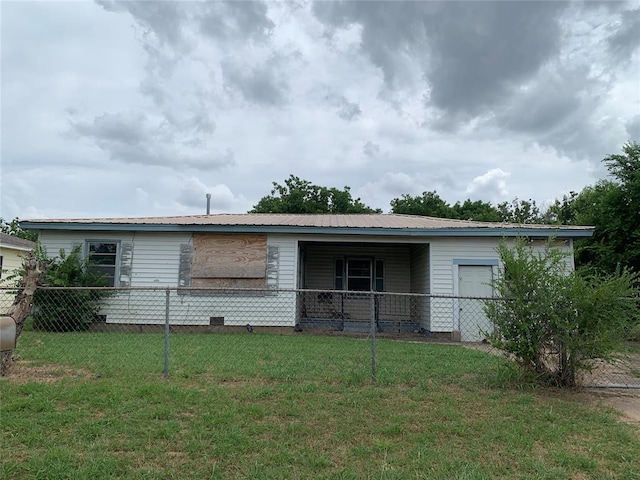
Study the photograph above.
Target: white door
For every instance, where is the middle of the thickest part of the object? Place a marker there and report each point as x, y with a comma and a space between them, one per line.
474, 281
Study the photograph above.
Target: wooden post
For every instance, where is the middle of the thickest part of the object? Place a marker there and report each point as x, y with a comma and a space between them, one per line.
23, 303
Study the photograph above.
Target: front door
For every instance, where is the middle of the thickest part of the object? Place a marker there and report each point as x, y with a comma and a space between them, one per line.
357, 306
474, 281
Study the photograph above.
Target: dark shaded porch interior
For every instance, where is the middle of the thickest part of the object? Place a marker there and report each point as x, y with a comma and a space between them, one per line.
345, 285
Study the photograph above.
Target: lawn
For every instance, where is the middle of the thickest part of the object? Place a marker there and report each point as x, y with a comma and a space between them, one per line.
264, 406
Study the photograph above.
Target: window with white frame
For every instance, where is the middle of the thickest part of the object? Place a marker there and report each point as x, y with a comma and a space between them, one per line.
102, 259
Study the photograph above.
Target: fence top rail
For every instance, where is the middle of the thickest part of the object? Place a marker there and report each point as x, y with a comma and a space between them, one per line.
296, 291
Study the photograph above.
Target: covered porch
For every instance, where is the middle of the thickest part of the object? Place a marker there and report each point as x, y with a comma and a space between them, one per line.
336, 281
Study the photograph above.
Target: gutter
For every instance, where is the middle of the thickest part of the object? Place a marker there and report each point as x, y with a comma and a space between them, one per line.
297, 230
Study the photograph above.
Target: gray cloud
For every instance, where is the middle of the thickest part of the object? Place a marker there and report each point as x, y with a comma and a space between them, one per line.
371, 149
388, 28
633, 128
473, 53
348, 111
132, 137
626, 38
546, 103
164, 18
234, 20
261, 84
440, 91
507, 42
345, 109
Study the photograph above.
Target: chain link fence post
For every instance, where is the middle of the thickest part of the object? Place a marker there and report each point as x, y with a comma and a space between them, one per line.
166, 333
373, 336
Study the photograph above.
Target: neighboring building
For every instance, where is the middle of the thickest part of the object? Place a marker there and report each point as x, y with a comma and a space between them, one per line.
299, 267
12, 250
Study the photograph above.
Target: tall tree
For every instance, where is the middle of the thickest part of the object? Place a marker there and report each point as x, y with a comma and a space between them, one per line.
520, 211
428, 204
301, 196
13, 228
613, 207
476, 210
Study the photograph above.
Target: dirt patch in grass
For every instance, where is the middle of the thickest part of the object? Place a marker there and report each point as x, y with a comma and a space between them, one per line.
24, 372
627, 402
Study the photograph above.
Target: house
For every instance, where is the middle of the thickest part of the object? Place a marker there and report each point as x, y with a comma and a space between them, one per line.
12, 249
298, 270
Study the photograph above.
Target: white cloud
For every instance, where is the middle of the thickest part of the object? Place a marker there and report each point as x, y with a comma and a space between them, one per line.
141, 108
490, 185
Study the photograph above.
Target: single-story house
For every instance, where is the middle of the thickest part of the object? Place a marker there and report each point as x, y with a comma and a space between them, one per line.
12, 250
292, 270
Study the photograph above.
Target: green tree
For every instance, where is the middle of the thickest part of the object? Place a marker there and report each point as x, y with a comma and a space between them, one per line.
563, 212
301, 196
520, 211
555, 323
428, 204
477, 210
13, 228
67, 309
613, 208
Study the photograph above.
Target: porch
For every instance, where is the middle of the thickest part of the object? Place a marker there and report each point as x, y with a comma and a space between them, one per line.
343, 285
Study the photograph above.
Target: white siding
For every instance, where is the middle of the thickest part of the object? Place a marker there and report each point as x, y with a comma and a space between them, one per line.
11, 261
420, 306
156, 258
288, 259
155, 262
443, 281
444, 250
320, 259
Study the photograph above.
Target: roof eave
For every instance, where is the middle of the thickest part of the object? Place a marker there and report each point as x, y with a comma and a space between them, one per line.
292, 229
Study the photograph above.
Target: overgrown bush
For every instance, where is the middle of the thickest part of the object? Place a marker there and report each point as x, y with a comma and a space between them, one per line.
554, 321
71, 308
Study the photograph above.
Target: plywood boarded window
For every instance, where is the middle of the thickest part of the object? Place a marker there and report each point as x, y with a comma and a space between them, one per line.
229, 261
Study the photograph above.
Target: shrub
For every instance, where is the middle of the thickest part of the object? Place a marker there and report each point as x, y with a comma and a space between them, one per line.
554, 321
67, 309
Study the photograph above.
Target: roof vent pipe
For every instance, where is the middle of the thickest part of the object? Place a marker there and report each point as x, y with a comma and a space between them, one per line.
208, 203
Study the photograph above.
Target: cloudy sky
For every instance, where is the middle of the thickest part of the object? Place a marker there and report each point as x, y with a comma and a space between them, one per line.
114, 108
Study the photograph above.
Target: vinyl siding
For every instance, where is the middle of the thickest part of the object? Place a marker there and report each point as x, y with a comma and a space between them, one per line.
443, 253
288, 259
11, 261
320, 258
155, 262
155, 257
420, 306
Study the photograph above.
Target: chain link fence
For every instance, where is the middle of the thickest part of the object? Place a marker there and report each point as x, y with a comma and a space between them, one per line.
274, 333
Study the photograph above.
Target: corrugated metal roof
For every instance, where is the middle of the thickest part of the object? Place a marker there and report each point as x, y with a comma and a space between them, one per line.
7, 240
383, 221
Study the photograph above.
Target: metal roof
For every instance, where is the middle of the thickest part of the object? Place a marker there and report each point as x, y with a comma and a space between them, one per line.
17, 243
365, 224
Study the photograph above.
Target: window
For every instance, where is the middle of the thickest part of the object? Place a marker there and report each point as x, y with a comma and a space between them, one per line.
339, 274
0, 266
360, 274
378, 284
102, 258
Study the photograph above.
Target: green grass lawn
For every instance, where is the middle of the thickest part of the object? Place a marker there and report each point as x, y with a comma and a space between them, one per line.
263, 406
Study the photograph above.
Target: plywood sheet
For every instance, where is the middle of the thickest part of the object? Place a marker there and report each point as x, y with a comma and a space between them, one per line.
217, 283
228, 256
